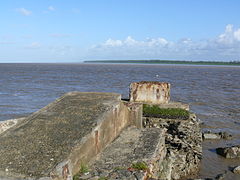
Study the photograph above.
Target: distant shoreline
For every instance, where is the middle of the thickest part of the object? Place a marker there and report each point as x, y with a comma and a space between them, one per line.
231, 63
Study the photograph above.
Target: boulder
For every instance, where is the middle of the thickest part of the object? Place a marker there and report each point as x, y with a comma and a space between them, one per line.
221, 176
220, 135
229, 152
236, 170
210, 135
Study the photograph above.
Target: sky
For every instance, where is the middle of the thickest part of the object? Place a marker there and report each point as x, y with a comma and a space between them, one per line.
77, 30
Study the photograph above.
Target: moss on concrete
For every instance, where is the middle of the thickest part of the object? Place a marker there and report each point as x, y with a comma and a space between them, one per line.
165, 113
140, 166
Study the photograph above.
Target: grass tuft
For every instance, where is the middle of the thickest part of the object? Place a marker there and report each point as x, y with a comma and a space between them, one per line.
165, 113
140, 166
83, 169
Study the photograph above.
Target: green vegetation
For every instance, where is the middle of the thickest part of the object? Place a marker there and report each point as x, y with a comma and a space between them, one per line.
168, 113
232, 63
140, 166
119, 168
83, 169
76, 177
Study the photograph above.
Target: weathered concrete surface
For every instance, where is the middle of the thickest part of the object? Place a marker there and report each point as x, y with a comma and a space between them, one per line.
132, 146
135, 113
183, 143
229, 152
150, 92
5, 125
53, 142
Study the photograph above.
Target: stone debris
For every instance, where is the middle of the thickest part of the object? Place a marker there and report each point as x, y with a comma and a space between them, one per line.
183, 143
211, 135
229, 152
221, 176
236, 170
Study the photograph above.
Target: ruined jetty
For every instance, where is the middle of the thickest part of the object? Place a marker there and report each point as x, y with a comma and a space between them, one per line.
84, 135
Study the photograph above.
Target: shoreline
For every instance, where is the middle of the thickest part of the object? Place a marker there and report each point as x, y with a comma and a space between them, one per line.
166, 62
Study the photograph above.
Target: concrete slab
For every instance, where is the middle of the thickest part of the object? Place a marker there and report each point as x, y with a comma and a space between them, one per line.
131, 147
53, 142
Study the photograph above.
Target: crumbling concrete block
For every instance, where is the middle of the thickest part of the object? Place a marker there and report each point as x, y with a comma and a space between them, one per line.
183, 143
150, 92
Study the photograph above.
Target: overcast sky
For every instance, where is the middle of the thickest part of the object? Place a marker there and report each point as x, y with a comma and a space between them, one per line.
77, 30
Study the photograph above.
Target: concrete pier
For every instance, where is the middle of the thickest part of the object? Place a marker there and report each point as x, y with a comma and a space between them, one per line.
105, 133
53, 142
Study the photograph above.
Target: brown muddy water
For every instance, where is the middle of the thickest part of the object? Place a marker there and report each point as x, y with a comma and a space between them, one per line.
213, 93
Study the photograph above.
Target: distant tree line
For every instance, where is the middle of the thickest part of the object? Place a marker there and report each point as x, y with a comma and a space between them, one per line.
167, 62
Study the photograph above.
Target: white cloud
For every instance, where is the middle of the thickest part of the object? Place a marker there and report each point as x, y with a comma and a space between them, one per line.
51, 8
112, 43
237, 34
226, 46
24, 11
33, 45
230, 35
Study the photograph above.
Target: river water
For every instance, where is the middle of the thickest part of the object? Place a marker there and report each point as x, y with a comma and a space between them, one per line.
213, 93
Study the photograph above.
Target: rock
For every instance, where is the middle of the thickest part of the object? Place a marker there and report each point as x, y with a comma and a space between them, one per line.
211, 135
221, 176
183, 143
229, 152
225, 135
236, 170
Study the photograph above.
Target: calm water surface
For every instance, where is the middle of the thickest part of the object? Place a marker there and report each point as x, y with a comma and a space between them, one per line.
213, 92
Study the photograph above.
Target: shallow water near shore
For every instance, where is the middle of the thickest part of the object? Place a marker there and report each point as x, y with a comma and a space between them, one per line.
213, 93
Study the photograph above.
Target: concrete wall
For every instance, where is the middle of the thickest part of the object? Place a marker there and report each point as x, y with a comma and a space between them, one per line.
150, 92
108, 128
54, 142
